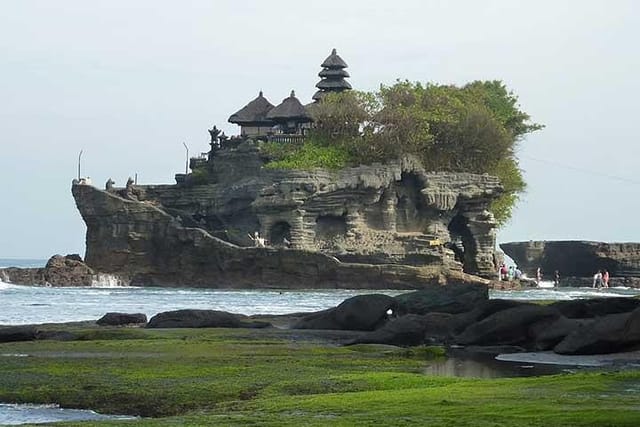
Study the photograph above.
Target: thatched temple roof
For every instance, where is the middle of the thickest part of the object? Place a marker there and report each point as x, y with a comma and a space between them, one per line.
334, 61
255, 112
332, 76
290, 109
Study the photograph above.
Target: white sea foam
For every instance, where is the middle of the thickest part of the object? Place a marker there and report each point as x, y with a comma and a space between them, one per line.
102, 280
5, 285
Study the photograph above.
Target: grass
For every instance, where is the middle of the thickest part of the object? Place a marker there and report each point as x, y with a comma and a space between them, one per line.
262, 377
309, 155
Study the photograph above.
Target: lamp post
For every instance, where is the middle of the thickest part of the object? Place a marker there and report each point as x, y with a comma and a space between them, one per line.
186, 166
79, 158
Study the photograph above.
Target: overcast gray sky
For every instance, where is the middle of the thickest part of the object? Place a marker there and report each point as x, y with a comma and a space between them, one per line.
129, 81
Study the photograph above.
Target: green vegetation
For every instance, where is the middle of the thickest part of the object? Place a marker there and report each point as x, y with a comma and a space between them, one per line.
280, 378
474, 128
199, 176
309, 155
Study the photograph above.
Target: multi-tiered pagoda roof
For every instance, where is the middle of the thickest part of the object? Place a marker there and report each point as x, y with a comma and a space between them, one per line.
332, 76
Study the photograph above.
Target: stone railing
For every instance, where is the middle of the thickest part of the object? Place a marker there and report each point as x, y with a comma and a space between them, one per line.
286, 139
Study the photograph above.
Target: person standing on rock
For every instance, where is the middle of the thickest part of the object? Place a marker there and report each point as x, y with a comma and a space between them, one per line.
538, 276
556, 279
597, 279
605, 279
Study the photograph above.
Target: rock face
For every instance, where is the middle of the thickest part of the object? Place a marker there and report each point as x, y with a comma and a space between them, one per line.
60, 271
323, 229
578, 259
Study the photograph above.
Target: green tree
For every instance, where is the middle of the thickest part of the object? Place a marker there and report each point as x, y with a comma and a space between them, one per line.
474, 128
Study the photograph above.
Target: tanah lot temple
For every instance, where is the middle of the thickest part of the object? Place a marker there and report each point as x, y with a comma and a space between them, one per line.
391, 224
286, 122
260, 118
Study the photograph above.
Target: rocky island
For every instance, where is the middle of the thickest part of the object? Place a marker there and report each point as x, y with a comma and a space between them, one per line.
238, 221
379, 226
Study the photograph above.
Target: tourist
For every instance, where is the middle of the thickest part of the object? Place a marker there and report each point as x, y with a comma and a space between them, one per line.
511, 273
518, 274
538, 276
503, 272
605, 279
556, 278
597, 279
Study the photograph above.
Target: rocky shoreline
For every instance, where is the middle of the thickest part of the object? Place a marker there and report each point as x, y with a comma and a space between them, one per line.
458, 315
576, 261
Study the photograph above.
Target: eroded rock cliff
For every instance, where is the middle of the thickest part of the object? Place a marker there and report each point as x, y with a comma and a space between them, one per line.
377, 226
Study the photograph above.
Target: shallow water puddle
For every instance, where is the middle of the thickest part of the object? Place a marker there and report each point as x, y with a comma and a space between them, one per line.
16, 414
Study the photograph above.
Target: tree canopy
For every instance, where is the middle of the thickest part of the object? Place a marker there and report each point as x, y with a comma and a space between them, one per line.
473, 128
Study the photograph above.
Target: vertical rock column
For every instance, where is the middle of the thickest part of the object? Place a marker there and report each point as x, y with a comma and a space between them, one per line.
389, 212
482, 227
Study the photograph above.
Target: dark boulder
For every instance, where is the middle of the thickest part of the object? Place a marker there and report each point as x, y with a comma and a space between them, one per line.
483, 310
18, 333
116, 319
202, 319
324, 319
548, 335
359, 313
586, 308
455, 298
407, 330
507, 327
607, 334
439, 326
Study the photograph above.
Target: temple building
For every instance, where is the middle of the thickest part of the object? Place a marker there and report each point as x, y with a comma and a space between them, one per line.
290, 116
252, 118
332, 76
259, 118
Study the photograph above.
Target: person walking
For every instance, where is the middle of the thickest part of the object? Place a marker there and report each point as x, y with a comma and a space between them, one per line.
605, 279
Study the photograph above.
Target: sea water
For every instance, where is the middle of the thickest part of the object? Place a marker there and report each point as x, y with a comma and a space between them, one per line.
21, 305
15, 414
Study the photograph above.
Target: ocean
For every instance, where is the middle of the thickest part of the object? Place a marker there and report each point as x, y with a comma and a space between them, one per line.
21, 305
